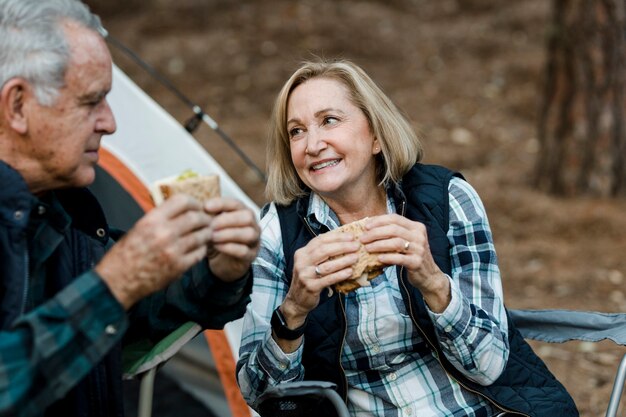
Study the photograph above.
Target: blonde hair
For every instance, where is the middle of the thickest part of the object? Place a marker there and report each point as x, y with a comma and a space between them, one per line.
400, 146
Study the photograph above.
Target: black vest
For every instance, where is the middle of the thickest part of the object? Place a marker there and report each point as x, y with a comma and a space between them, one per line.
526, 386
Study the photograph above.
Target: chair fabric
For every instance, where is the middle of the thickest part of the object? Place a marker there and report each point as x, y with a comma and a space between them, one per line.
558, 326
139, 358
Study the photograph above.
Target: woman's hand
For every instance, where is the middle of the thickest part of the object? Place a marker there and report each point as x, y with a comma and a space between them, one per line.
404, 242
314, 270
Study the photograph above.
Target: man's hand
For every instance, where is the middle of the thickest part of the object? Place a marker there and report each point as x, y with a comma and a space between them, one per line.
234, 241
161, 246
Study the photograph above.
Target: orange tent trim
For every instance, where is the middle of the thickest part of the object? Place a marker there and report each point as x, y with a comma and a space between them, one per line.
215, 338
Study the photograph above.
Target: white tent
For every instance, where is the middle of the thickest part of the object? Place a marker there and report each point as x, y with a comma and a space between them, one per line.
150, 144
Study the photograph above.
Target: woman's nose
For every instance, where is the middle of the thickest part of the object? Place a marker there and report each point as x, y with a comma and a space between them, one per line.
315, 142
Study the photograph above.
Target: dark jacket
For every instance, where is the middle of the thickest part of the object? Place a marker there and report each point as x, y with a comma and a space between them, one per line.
525, 387
80, 242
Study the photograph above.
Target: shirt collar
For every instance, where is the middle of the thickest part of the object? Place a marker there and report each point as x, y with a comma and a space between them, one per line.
320, 214
49, 207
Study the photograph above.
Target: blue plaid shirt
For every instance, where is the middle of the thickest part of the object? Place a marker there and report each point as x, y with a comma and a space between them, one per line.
59, 338
408, 379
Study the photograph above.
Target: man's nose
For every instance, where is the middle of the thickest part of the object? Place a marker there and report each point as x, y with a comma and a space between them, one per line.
106, 122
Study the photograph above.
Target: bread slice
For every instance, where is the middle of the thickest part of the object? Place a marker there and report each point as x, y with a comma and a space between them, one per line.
201, 187
367, 266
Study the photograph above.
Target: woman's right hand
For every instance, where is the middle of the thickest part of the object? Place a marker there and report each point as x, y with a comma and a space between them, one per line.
326, 260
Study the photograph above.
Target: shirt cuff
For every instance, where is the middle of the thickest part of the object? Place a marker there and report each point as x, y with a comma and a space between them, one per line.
453, 321
279, 365
223, 294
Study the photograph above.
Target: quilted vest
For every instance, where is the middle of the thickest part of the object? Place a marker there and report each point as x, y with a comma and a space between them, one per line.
526, 386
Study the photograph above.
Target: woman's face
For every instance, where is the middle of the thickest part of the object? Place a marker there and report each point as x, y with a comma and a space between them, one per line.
332, 146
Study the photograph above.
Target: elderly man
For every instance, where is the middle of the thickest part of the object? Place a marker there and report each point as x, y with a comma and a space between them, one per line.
69, 297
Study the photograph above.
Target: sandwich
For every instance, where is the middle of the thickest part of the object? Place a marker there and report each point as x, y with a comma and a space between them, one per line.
367, 266
201, 187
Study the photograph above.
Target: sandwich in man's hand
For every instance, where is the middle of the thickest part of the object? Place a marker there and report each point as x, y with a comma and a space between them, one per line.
367, 266
201, 187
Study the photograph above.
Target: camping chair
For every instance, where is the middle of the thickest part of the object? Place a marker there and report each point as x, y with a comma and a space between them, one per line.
317, 398
559, 326
302, 399
142, 360
618, 388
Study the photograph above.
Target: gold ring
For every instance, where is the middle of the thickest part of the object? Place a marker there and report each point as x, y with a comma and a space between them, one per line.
317, 271
407, 244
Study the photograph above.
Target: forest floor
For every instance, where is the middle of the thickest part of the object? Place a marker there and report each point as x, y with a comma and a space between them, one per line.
468, 74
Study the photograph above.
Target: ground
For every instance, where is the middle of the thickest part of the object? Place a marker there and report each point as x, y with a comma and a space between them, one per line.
467, 73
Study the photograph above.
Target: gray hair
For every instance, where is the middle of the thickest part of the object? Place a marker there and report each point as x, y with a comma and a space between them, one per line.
33, 44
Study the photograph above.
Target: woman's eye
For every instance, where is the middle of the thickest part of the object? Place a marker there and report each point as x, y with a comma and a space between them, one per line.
294, 132
329, 120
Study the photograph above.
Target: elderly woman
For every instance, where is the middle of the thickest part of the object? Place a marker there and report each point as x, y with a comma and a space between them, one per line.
430, 335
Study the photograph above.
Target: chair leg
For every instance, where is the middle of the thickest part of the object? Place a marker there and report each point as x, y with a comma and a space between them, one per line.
618, 387
146, 393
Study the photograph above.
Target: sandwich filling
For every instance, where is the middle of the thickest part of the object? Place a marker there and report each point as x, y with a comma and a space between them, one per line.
201, 187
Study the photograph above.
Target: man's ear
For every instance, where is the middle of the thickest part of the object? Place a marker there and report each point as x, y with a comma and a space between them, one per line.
13, 97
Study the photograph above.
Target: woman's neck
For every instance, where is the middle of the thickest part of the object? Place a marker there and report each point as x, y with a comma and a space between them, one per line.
368, 205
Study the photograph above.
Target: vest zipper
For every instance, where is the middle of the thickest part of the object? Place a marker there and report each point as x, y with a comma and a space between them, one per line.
343, 341
345, 326
432, 346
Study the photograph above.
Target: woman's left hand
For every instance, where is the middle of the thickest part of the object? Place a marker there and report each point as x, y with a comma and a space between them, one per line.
403, 242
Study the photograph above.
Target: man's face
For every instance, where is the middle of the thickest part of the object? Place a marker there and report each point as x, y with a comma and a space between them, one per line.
65, 138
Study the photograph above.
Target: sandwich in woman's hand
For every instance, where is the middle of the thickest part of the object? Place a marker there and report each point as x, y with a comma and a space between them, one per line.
366, 268
201, 187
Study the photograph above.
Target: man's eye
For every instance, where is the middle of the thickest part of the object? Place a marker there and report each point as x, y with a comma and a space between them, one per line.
94, 101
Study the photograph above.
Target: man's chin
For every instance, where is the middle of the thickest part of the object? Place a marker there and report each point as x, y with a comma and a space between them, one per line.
84, 177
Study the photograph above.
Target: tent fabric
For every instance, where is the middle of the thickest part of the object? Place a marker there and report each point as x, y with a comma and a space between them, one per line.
126, 179
226, 367
558, 326
152, 145
149, 144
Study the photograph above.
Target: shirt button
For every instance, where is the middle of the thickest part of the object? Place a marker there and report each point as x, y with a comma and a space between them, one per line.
448, 328
376, 348
110, 330
408, 411
100, 232
393, 376
18, 215
41, 210
282, 366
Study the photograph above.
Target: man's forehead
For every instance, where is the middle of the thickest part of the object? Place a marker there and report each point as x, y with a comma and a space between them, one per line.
90, 61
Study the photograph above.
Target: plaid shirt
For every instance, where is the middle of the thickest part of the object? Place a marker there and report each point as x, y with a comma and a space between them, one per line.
61, 336
404, 378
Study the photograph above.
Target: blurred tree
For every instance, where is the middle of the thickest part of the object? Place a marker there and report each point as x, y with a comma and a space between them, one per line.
581, 121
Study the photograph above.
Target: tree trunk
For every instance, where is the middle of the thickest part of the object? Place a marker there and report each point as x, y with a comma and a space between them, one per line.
581, 120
